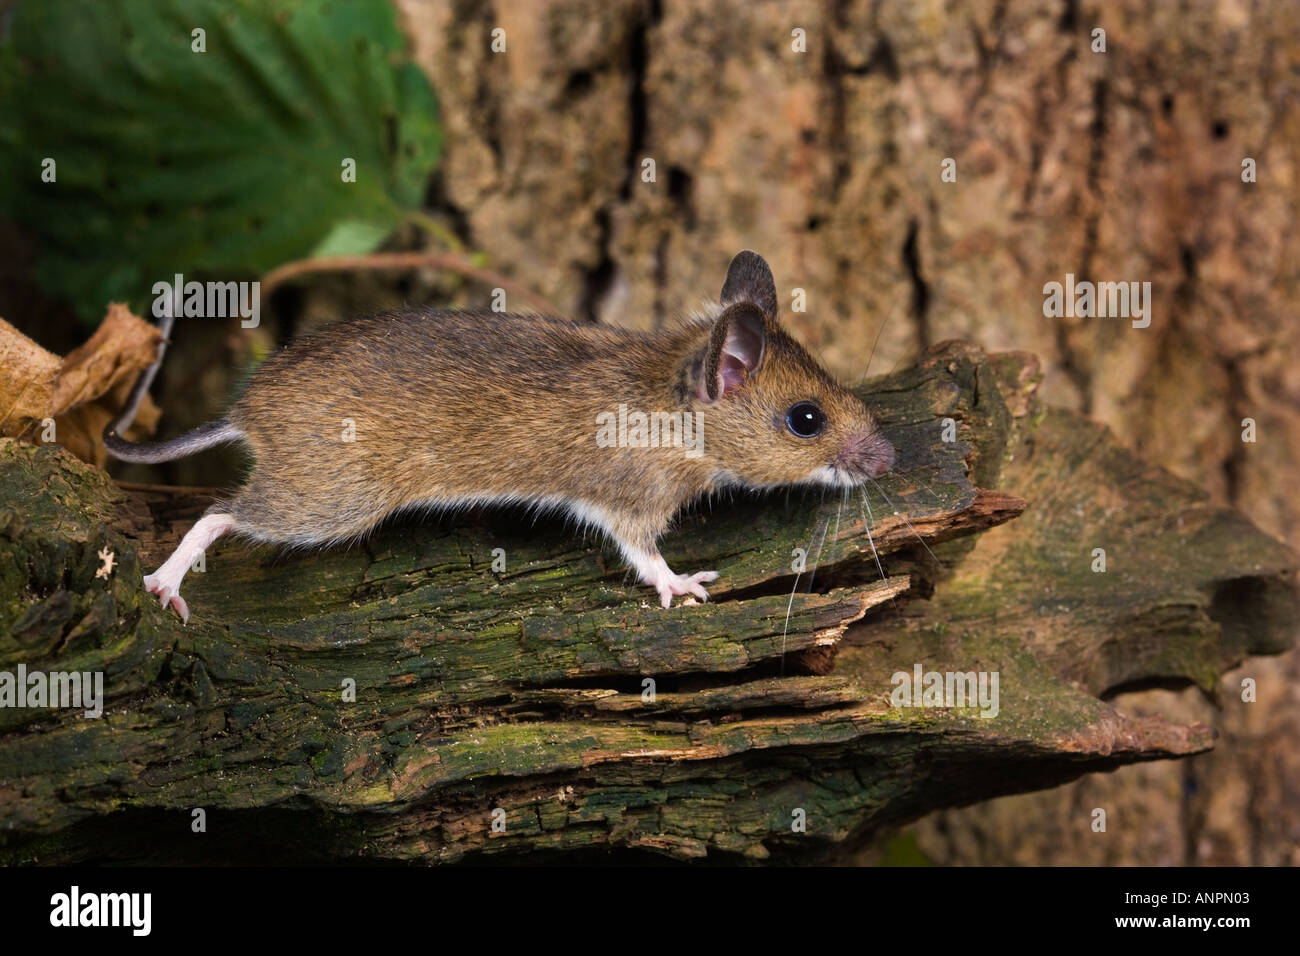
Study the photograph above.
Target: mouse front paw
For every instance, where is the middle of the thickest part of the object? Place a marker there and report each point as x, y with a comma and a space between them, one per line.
671, 584
168, 594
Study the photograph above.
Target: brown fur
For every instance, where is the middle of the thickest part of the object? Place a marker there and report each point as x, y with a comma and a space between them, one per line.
456, 408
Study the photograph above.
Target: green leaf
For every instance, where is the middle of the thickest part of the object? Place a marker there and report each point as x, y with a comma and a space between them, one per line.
351, 238
222, 163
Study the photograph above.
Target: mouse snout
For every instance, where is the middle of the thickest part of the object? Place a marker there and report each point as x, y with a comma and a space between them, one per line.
867, 453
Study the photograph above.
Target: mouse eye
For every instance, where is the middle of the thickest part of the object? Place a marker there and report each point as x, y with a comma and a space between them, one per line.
805, 420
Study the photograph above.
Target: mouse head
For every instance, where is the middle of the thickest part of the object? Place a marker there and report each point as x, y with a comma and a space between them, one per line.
772, 415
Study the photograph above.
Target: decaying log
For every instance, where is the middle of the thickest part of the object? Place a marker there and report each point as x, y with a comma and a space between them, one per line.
555, 700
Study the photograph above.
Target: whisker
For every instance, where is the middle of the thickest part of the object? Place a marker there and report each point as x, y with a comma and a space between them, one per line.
892, 309
911, 477
874, 553
927, 488
834, 535
906, 522
790, 606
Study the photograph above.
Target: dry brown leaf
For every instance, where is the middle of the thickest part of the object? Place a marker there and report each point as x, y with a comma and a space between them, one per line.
121, 348
27, 377
82, 392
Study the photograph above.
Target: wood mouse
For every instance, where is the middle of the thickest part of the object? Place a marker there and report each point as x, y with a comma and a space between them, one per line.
447, 409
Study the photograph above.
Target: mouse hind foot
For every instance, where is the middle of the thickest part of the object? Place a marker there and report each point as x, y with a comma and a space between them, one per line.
166, 581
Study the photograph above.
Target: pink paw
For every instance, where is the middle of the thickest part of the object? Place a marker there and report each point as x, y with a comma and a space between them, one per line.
674, 584
168, 595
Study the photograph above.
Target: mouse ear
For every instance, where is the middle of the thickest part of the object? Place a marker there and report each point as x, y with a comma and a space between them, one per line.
736, 347
749, 279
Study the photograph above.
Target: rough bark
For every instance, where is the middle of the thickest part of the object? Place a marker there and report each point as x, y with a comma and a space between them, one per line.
523, 691
1114, 166
1122, 166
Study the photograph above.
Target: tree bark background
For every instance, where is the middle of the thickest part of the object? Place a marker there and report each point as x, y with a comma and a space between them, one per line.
1123, 165
1115, 166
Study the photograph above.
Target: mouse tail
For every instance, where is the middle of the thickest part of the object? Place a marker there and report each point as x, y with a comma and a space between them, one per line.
149, 453
219, 432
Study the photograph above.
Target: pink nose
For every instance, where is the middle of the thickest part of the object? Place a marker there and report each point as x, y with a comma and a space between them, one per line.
868, 453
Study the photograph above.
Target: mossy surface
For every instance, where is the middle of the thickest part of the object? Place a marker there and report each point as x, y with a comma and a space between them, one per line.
402, 701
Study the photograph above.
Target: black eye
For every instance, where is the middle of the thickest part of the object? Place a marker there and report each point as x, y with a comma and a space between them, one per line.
805, 420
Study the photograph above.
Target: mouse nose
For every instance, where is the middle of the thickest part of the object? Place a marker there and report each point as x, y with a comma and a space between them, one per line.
868, 453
